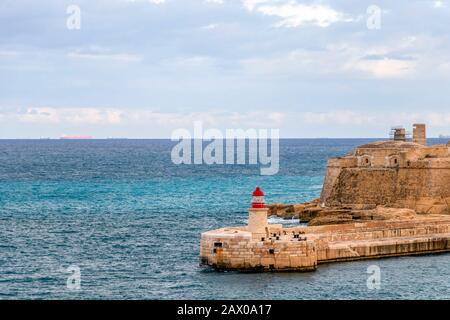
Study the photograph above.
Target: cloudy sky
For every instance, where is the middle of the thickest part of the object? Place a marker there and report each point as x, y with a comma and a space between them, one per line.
142, 68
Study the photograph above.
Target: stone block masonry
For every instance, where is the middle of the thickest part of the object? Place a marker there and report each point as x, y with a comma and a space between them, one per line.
303, 248
237, 249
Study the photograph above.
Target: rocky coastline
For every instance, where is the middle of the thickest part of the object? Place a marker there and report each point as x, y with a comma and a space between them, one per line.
315, 215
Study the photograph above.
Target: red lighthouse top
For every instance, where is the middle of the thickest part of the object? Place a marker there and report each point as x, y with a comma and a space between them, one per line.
258, 199
258, 192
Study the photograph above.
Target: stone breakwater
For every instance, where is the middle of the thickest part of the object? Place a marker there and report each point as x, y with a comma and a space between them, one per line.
303, 248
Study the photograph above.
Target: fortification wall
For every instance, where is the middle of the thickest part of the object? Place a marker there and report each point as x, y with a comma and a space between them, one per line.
355, 186
410, 184
331, 179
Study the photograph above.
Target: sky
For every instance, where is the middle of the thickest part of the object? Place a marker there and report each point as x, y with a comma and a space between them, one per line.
144, 68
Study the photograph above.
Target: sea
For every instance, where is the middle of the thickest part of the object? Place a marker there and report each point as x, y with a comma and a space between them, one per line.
116, 219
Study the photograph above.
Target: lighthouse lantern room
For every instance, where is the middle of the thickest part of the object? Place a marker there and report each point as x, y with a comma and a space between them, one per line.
257, 215
258, 199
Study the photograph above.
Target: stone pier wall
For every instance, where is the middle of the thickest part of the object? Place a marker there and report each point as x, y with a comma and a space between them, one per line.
303, 248
241, 252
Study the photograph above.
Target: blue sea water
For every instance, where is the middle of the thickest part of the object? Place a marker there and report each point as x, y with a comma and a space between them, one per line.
131, 221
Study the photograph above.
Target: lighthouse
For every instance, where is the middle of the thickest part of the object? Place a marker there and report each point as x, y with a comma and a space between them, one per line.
257, 215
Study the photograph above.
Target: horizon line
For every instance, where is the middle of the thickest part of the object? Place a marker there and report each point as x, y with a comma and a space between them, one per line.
147, 138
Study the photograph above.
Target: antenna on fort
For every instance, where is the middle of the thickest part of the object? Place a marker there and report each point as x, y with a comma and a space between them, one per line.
399, 133
419, 136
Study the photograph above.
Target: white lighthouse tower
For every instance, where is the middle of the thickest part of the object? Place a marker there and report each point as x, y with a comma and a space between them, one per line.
257, 215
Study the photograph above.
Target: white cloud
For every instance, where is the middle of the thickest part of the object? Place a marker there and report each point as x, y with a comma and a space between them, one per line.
337, 118
251, 4
438, 4
98, 53
188, 63
352, 118
69, 116
89, 116
148, 123
342, 59
210, 26
101, 116
150, 1
214, 1
294, 14
386, 68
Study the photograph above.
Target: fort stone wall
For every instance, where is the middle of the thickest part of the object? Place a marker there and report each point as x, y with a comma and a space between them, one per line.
391, 173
